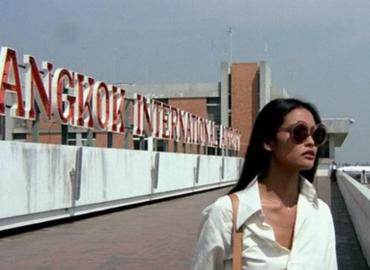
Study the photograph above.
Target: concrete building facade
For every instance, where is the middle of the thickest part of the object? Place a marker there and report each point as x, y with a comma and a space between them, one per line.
234, 101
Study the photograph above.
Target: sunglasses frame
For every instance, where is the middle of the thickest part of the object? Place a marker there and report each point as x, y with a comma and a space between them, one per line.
309, 132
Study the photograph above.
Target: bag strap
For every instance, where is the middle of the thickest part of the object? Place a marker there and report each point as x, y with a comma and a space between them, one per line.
237, 235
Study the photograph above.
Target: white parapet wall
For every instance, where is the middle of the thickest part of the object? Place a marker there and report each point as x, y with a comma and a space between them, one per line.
357, 199
41, 182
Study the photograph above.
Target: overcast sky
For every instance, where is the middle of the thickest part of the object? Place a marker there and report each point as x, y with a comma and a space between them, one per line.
317, 50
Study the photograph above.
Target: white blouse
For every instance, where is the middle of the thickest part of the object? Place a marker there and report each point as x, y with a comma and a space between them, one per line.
313, 243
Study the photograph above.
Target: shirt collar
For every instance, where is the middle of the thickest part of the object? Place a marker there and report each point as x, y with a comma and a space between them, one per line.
250, 201
307, 190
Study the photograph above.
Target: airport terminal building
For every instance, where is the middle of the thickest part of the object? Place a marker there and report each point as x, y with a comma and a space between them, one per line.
148, 141
233, 101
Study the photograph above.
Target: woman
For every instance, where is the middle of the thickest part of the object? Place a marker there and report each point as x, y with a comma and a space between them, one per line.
284, 224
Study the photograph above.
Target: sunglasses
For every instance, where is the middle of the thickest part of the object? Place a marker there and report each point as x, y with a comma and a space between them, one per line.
299, 132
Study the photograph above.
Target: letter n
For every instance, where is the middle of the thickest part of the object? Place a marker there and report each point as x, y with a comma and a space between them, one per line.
43, 94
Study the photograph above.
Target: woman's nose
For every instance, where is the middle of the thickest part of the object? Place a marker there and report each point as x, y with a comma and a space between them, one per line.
310, 141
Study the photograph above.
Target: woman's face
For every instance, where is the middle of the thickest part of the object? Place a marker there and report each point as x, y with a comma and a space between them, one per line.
287, 153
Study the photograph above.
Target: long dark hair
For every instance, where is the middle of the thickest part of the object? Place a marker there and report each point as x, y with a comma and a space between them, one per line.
269, 120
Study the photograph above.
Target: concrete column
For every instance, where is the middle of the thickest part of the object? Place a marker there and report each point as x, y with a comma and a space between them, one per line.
9, 122
36, 128
89, 137
265, 85
331, 147
78, 138
322, 181
127, 128
150, 144
224, 94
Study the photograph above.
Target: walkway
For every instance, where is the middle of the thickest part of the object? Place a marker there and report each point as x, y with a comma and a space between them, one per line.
157, 236
348, 249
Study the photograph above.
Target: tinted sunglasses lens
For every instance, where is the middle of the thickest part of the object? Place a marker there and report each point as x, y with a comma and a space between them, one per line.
299, 133
319, 135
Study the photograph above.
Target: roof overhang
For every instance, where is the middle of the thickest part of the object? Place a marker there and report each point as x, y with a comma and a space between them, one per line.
338, 129
175, 90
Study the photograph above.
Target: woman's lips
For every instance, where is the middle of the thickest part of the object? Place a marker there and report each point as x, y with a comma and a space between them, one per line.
310, 154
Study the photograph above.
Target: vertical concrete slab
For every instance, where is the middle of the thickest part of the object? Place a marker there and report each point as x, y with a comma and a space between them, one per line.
224, 94
322, 181
265, 85
113, 174
35, 178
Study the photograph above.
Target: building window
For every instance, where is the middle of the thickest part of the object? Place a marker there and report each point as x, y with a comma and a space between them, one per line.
19, 124
214, 109
140, 143
73, 138
213, 101
211, 151
213, 114
2, 127
229, 92
163, 100
19, 137
162, 145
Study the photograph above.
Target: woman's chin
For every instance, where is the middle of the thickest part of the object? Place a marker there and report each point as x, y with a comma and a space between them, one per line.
307, 165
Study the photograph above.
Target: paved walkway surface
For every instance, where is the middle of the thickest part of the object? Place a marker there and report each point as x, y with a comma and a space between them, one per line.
349, 252
158, 236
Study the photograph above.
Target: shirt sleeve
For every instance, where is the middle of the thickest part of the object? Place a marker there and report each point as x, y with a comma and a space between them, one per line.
213, 242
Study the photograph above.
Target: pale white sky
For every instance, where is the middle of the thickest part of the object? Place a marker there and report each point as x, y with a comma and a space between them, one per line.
317, 50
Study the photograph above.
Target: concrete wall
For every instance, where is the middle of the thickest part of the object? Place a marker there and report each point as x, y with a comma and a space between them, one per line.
357, 199
322, 180
42, 182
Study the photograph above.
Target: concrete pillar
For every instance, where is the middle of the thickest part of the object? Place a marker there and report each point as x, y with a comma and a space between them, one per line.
89, 137
322, 181
331, 147
224, 94
9, 122
150, 144
78, 138
36, 128
265, 85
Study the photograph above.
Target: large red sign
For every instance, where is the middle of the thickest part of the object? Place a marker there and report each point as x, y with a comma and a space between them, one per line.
75, 99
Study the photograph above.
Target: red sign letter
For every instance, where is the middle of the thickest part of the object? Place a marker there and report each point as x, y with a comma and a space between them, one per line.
43, 94
8, 63
101, 105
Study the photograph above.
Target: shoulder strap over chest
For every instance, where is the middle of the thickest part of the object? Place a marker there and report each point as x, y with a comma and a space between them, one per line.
237, 235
